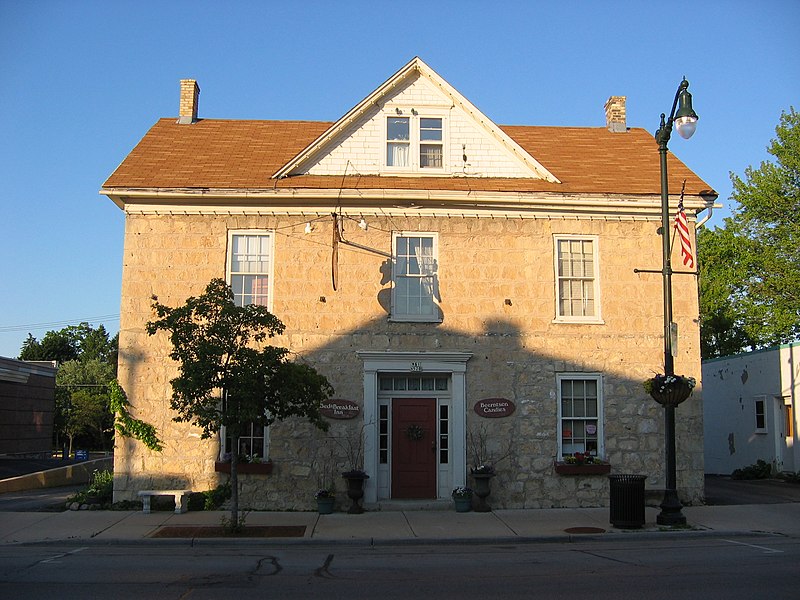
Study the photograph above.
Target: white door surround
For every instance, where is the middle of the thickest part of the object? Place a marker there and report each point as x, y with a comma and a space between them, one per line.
453, 364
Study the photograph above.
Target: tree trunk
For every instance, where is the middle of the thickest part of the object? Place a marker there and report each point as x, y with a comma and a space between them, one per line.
235, 525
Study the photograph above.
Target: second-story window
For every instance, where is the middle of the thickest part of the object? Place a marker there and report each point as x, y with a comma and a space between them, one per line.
577, 293
249, 267
414, 277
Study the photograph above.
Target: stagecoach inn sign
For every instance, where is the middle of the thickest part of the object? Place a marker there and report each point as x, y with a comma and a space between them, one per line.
494, 408
340, 409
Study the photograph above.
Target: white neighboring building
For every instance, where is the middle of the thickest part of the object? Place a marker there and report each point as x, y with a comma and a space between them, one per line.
750, 404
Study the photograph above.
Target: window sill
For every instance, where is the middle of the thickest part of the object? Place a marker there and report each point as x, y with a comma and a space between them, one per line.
264, 468
575, 469
566, 321
434, 320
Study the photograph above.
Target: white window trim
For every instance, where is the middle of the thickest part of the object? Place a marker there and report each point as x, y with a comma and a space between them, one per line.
597, 319
598, 377
437, 316
415, 113
764, 405
270, 294
223, 435
271, 268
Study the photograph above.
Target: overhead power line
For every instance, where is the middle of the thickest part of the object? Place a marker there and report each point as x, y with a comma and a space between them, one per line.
52, 324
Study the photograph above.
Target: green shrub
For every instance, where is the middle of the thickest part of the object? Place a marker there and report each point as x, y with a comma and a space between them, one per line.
760, 470
210, 499
100, 489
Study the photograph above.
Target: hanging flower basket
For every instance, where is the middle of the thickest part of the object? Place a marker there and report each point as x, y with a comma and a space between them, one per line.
669, 390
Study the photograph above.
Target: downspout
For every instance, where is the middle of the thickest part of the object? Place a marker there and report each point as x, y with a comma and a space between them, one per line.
710, 214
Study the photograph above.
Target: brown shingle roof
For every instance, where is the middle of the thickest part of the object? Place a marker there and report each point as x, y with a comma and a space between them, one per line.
215, 153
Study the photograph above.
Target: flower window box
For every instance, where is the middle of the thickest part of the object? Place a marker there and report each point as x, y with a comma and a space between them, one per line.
563, 468
262, 468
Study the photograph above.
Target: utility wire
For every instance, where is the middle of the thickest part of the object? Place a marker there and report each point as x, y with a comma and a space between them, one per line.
39, 326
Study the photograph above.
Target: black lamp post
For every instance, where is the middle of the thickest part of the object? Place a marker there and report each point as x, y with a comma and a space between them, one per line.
685, 121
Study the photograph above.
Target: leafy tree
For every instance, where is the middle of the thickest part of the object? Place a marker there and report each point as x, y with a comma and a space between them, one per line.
72, 343
82, 394
87, 361
55, 345
88, 413
228, 377
750, 269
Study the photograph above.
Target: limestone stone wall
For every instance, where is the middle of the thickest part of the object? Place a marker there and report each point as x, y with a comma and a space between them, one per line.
497, 288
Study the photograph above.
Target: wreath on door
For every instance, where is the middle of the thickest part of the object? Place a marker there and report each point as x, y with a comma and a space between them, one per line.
415, 433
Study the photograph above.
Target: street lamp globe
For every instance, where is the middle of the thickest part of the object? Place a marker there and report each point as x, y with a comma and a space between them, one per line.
685, 117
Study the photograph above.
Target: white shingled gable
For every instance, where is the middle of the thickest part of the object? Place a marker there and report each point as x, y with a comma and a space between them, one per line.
356, 143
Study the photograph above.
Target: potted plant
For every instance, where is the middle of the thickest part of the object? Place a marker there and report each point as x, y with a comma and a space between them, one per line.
669, 390
324, 468
325, 498
353, 446
462, 497
484, 458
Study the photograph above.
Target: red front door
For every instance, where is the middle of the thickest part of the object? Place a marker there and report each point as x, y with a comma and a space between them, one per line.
413, 448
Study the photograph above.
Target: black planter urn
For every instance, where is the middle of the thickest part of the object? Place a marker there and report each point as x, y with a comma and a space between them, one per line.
482, 488
355, 490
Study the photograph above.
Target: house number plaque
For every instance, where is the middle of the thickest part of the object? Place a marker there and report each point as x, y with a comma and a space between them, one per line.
416, 367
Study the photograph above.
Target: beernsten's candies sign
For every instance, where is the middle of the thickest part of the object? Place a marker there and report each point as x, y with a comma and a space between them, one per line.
340, 409
494, 408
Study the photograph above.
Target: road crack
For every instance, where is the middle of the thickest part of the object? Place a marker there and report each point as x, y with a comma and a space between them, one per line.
324, 571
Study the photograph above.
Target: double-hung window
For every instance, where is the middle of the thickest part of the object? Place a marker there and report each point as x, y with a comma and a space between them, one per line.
430, 143
250, 267
249, 271
414, 143
580, 414
398, 141
414, 277
577, 287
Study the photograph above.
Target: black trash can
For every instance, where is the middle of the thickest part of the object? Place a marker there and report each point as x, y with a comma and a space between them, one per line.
627, 500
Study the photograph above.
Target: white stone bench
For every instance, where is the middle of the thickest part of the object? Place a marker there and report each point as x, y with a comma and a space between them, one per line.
181, 499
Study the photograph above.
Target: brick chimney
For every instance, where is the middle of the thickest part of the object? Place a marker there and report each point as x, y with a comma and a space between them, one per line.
190, 91
615, 114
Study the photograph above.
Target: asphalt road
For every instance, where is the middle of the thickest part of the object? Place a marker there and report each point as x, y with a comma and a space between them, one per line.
686, 568
722, 490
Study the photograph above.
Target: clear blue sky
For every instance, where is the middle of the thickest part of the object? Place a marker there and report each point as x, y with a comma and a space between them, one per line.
81, 82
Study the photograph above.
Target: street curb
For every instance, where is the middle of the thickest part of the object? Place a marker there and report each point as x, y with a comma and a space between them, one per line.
389, 542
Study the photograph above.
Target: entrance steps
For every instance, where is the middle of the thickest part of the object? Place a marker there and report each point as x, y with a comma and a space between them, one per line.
407, 505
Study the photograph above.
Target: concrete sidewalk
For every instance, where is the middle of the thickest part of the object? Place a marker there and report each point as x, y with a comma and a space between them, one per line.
388, 527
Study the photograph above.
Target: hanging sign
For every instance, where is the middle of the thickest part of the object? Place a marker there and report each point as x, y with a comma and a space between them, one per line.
340, 409
494, 408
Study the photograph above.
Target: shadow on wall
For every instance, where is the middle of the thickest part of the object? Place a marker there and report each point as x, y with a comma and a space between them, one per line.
505, 363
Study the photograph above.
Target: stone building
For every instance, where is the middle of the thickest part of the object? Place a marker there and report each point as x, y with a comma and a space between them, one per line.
455, 280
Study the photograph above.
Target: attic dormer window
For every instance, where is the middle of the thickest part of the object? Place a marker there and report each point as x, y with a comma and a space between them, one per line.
415, 142
430, 143
398, 141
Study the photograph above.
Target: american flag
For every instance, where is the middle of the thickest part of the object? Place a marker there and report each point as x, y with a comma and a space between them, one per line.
682, 227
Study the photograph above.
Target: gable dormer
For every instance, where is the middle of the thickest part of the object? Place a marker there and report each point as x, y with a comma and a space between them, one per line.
415, 124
